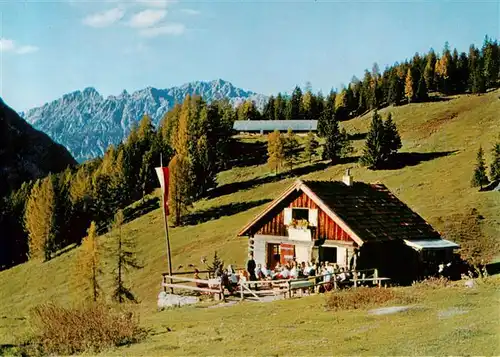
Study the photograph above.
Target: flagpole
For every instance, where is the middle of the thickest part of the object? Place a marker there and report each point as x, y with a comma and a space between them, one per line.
165, 221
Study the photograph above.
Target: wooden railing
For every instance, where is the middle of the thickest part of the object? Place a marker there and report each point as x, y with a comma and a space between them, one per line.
274, 287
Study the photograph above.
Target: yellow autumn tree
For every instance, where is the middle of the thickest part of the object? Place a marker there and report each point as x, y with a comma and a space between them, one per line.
275, 151
87, 265
40, 219
409, 92
180, 197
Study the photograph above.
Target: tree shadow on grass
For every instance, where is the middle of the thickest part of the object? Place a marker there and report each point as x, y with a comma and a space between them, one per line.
221, 211
247, 154
233, 187
357, 136
404, 159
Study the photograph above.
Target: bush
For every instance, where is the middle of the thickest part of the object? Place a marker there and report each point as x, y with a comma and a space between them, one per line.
91, 328
358, 298
433, 283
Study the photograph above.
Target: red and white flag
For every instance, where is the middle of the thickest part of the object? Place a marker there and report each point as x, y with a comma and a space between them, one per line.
162, 173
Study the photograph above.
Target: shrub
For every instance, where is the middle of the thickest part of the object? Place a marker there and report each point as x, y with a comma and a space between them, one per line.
90, 328
433, 283
358, 298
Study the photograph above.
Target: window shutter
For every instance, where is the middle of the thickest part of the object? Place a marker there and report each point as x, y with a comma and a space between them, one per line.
313, 217
287, 216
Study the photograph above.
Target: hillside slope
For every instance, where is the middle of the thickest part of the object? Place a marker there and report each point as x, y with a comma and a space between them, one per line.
87, 123
26, 153
440, 138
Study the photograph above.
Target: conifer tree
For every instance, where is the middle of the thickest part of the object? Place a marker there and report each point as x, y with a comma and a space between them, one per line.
429, 70
294, 105
269, 109
311, 144
337, 143
395, 89
495, 163
291, 146
180, 198
374, 145
280, 108
275, 151
479, 179
409, 94
88, 263
40, 219
422, 94
124, 254
491, 57
392, 140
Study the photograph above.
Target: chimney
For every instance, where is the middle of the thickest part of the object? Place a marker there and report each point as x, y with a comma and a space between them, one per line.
347, 178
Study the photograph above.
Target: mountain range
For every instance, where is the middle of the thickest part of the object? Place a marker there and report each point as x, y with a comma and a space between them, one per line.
86, 123
26, 153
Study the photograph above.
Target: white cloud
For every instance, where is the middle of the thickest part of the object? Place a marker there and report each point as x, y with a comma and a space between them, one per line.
7, 45
190, 11
23, 50
157, 3
105, 18
169, 29
147, 18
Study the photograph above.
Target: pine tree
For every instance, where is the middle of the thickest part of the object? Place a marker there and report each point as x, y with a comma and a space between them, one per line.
291, 146
395, 89
269, 109
279, 108
409, 94
40, 219
491, 57
88, 263
392, 140
294, 105
374, 145
124, 253
429, 71
495, 163
479, 179
275, 151
337, 143
422, 94
311, 145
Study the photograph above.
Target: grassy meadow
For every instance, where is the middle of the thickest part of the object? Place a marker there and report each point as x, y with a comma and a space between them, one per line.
440, 140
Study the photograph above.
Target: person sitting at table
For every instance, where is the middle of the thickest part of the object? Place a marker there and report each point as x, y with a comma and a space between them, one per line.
294, 273
284, 274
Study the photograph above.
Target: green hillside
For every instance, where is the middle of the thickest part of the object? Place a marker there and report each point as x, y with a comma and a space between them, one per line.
440, 138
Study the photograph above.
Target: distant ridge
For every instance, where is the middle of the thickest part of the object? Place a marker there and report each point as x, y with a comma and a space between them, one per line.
87, 123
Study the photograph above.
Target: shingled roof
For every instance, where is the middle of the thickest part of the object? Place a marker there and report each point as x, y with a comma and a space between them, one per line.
370, 211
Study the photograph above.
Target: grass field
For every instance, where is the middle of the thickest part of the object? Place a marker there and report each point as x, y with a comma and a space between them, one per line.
441, 139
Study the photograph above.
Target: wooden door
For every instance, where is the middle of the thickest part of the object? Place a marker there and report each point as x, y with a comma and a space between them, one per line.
287, 253
273, 255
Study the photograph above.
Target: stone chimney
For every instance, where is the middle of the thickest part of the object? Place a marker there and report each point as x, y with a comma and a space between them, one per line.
347, 178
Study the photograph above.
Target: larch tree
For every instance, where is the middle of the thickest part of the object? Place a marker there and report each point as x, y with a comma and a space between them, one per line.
40, 219
180, 195
429, 70
291, 146
310, 146
88, 263
495, 163
479, 178
125, 256
409, 93
275, 151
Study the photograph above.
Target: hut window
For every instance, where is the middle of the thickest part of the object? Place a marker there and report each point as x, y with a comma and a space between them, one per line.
300, 213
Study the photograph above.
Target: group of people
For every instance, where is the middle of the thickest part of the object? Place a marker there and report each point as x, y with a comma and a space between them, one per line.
322, 271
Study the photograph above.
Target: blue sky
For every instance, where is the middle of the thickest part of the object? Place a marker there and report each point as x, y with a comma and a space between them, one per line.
49, 48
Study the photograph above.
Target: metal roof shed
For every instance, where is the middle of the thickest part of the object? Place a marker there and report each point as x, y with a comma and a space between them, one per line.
271, 125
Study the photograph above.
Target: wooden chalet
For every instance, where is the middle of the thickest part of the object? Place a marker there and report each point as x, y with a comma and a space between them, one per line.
354, 224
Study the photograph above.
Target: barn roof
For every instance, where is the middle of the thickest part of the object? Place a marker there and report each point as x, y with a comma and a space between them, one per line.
271, 125
368, 212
